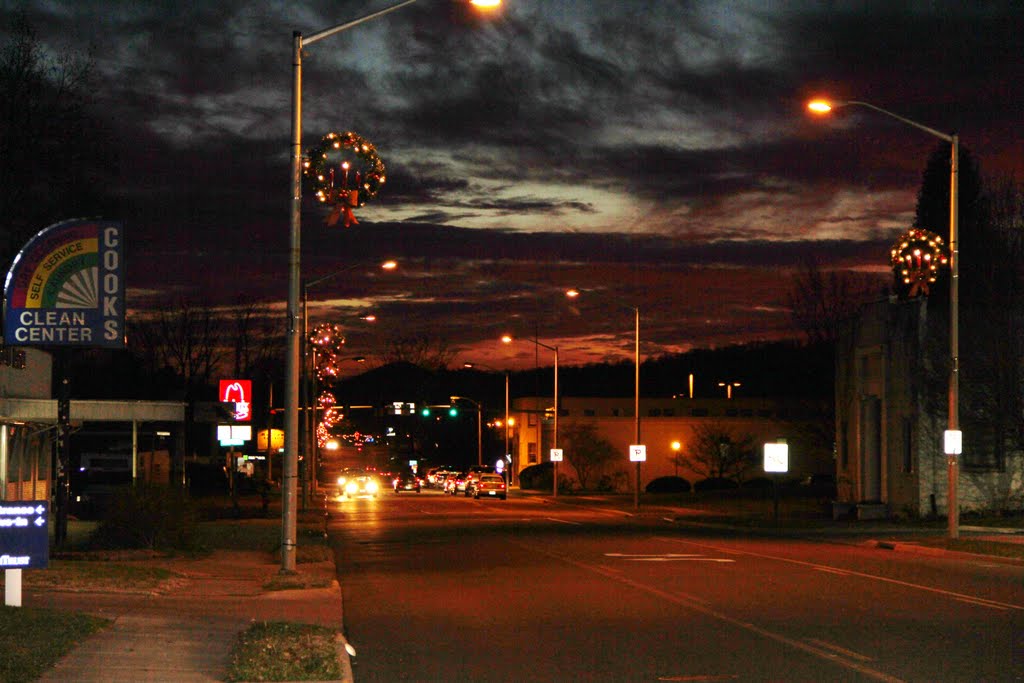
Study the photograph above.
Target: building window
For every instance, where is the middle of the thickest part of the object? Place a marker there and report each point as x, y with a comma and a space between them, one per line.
669, 412
615, 412
589, 412
699, 412
654, 412
531, 419
531, 452
731, 412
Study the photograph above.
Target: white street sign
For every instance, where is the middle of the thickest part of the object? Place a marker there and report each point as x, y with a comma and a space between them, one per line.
638, 453
556, 455
776, 457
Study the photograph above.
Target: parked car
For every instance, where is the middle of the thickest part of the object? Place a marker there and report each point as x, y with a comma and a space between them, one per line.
361, 485
488, 486
406, 481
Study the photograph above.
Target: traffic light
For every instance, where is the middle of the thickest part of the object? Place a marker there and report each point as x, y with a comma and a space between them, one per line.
453, 411
425, 411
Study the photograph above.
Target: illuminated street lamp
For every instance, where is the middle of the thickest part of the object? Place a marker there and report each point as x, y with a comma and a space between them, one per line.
572, 294
291, 398
507, 339
728, 387
822, 106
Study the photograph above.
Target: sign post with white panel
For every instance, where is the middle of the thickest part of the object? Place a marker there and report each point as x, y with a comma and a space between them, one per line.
776, 461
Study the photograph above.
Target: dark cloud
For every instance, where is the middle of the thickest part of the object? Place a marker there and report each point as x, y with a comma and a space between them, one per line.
656, 153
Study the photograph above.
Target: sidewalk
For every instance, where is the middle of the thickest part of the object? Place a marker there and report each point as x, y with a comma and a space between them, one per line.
184, 630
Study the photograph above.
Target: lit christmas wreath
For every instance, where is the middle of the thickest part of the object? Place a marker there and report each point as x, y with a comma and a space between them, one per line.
345, 172
916, 258
328, 341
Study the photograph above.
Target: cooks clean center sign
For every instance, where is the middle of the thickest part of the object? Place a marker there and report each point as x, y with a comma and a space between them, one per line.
66, 287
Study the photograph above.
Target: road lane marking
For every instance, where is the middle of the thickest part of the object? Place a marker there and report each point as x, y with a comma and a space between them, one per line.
841, 650
984, 603
686, 601
849, 572
832, 570
564, 521
666, 557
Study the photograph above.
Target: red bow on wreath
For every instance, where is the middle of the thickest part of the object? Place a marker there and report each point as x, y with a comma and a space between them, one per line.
343, 209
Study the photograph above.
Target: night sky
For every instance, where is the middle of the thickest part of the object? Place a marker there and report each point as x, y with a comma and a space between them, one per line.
650, 154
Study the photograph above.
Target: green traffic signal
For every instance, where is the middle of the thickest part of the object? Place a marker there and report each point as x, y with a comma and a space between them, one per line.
453, 411
425, 411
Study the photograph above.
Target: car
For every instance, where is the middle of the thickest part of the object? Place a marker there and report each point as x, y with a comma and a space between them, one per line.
345, 475
406, 481
435, 476
488, 486
455, 483
475, 472
366, 485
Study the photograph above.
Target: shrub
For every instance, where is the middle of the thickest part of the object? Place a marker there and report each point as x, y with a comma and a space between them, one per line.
153, 517
757, 483
615, 482
715, 484
668, 485
537, 477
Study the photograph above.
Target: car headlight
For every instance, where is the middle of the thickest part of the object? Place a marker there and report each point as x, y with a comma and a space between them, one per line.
371, 487
351, 487
341, 481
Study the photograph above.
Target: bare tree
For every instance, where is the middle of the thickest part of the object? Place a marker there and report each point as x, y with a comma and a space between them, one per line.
256, 339
422, 350
587, 452
719, 454
821, 301
185, 340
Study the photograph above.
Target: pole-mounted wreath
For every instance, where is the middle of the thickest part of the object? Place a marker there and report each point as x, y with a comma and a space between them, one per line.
345, 173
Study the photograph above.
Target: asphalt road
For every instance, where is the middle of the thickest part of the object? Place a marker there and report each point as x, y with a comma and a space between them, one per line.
438, 588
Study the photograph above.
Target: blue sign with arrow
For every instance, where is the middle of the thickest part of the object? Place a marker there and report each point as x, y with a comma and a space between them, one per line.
24, 534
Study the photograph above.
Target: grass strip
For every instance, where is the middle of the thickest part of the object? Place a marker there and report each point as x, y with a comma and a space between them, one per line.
90, 575
285, 651
33, 639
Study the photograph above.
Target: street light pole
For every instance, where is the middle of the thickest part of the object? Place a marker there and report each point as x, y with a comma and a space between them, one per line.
636, 404
554, 436
953, 472
307, 405
291, 396
479, 427
506, 425
573, 293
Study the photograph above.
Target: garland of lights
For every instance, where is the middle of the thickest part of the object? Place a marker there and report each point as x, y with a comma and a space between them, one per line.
328, 341
329, 417
333, 186
916, 258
